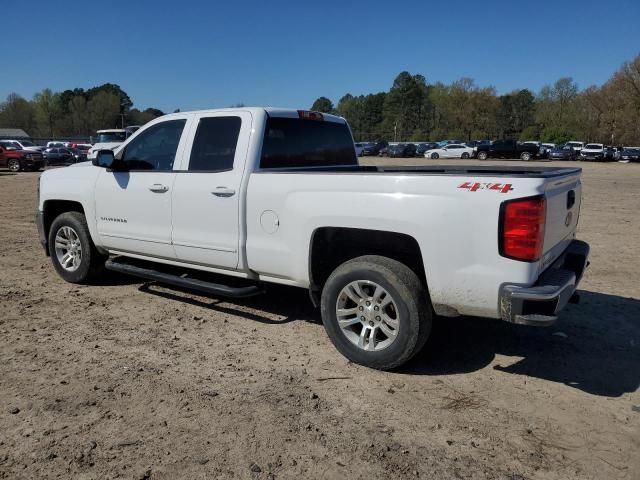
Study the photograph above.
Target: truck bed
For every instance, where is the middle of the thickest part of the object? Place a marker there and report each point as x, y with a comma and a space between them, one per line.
489, 170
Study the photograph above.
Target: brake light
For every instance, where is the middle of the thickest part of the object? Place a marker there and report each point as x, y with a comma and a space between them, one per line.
522, 228
309, 115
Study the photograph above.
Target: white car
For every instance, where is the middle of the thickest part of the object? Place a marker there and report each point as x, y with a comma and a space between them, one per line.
453, 150
107, 140
577, 146
277, 196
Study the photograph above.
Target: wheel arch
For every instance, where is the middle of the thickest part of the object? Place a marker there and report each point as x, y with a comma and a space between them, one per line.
331, 246
53, 208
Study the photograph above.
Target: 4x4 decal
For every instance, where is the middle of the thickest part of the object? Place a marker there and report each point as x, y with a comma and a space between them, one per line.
475, 186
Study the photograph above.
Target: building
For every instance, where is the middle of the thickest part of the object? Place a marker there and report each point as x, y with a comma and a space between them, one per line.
13, 134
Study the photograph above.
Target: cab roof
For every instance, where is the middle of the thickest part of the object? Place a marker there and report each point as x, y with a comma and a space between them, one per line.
270, 111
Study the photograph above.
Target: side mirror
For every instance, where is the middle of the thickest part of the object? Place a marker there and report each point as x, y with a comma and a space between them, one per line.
104, 159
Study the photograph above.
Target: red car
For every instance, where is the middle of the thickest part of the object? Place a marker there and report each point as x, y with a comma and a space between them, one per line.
17, 160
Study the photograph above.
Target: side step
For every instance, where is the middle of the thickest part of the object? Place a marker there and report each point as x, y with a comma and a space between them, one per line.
183, 282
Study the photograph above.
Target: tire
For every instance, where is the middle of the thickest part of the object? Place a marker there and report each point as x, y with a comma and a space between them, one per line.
404, 304
87, 263
465, 156
435, 156
14, 165
482, 155
526, 156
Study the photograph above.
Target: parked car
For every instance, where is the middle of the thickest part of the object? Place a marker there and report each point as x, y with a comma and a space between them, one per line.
562, 152
402, 150
547, 148
421, 148
373, 148
56, 144
577, 146
279, 197
17, 160
593, 151
359, 148
507, 149
59, 156
24, 145
450, 151
107, 139
631, 154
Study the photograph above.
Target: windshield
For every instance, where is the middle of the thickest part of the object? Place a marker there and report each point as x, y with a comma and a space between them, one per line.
111, 137
593, 146
26, 143
11, 145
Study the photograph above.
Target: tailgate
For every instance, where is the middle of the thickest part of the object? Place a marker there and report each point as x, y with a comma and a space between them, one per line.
563, 196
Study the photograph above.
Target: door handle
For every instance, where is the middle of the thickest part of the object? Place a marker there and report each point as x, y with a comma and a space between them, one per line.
158, 188
224, 192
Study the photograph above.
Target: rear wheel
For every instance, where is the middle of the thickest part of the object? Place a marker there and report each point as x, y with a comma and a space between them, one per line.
526, 156
73, 253
465, 155
376, 311
482, 155
435, 156
13, 165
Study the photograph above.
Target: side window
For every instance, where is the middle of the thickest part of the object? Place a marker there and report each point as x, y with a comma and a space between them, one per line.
214, 146
155, 148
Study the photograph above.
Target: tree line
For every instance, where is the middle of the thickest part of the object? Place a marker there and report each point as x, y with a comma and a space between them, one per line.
414, 110
72, 113
411, 110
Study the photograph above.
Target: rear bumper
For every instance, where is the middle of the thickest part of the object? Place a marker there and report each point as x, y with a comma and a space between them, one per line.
541, 303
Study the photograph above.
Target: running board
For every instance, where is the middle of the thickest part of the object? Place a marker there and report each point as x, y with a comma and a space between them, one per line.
183, 282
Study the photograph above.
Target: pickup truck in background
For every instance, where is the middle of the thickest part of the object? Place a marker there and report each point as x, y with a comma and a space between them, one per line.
594, 151
16, 160
264, 195
508, 149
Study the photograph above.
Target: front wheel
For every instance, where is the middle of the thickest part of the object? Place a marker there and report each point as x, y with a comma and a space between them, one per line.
526, 156
376, 311
73, 253
482, 155
13, 165
435, 156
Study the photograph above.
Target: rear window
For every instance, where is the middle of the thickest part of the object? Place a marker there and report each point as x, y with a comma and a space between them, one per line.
214, 147
295, 143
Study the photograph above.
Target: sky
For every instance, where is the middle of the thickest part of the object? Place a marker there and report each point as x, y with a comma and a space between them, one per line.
207, 54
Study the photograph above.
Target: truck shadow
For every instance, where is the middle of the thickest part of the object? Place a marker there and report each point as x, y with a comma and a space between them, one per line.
594, 346
280, 305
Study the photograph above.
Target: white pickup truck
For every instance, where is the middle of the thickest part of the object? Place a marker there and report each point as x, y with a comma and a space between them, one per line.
272, 195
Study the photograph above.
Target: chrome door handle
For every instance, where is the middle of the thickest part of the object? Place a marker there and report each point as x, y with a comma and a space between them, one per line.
158, 188
224, 192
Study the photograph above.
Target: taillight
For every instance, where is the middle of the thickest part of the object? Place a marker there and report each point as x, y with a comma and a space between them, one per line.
522, 228
309, 115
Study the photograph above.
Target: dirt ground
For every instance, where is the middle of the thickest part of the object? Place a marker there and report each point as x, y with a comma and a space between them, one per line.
120, 381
